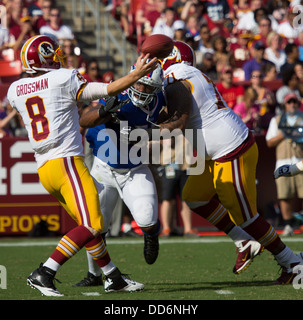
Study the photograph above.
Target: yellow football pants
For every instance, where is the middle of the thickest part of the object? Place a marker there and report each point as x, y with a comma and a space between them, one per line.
234, 182
69, 180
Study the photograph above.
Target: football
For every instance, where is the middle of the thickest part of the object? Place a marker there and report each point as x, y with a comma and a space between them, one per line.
157, 45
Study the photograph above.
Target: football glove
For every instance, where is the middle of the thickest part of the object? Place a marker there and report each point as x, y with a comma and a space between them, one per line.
113, 104
283, 171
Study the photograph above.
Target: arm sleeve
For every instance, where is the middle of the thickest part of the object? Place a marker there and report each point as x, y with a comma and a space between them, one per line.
93, 91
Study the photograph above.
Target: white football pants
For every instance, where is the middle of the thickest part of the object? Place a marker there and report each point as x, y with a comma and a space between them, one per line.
136, 187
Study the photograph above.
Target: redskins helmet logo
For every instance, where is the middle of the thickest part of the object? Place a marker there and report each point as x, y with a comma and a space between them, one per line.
45, 49
173, 53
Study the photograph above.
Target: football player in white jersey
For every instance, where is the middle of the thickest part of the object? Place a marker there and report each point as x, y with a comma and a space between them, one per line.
47, 104
227, 186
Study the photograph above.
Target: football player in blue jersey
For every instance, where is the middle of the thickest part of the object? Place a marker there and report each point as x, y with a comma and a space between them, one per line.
117, 167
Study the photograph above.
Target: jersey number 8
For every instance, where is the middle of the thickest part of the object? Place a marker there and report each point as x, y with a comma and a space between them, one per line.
36, 111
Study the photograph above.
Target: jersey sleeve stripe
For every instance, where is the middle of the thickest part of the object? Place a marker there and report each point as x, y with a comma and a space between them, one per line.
80, 90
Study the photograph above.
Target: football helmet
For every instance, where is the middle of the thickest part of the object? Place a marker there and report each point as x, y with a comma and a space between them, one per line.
41, 53
181, 53
154, 80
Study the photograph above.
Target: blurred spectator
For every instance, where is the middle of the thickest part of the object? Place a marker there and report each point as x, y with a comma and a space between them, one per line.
239, 49
265, 101
178, 5
269, 71
292, 56
282, 135
19, 24
179, 30
4, 40
273, 52
124, 18
6, 115
217, 10
298, 67
291, 84
164, 24
278, 9
108, 77
300, 45
264, 24
43, 19
192, 28
205, 43
287, 29
257, 60
147, 14
35, 8
248, 21
221, 52
192, 8
73, 61
92, 71
228, 30
208, 66
240, 7
173, 180
56, 28
248, 110
232, 94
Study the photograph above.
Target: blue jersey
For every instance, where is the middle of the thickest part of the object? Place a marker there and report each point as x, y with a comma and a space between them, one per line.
105, 139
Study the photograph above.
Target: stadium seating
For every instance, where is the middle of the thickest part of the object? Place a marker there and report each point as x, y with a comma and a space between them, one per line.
10, 70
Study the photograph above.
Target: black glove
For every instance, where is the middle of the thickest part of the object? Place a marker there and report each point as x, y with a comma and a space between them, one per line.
112, 104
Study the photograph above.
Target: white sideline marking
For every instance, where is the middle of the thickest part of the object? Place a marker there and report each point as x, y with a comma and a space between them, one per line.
224, 292
202, 240
91, 294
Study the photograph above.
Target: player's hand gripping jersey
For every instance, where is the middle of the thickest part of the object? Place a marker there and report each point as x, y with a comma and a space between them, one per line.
103, 142
47, 106
222, 130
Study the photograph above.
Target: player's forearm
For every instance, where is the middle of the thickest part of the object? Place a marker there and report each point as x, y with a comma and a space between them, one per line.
175, 122
117, 86
91, 117
273, 142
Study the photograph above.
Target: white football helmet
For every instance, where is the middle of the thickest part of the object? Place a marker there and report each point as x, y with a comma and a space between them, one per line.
153, 79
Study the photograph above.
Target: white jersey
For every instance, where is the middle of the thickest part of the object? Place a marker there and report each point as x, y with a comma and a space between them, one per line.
47, 104
222, 130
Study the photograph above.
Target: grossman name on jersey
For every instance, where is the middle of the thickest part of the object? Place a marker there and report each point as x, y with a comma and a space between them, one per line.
32, 87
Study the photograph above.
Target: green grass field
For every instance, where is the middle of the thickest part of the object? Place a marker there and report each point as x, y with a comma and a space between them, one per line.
186, 269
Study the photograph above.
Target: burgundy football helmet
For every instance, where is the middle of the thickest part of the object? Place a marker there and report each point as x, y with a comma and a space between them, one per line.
181, 53
41, 53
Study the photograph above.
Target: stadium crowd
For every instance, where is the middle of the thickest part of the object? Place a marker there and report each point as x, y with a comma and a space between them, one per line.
251, 49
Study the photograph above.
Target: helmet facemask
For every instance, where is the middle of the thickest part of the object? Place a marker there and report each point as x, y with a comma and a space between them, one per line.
154, 82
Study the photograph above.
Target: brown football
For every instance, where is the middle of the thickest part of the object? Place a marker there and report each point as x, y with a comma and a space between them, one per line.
157, 45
